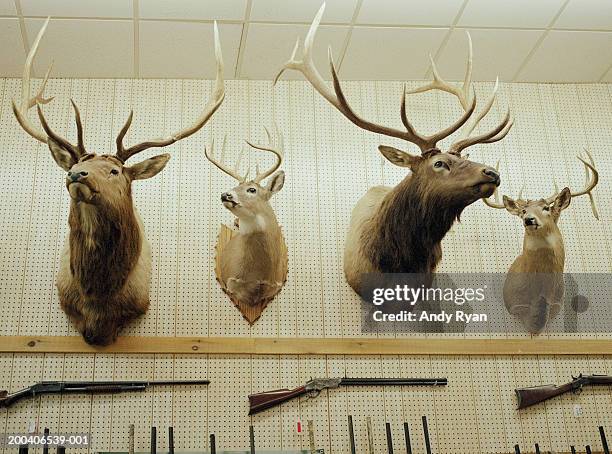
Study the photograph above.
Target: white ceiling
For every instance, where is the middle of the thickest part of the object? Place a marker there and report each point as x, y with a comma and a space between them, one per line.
521, 40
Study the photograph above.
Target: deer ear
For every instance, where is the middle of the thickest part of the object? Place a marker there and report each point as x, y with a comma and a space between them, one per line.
398, 157
148, 168
511, 206
276, 182
62, 157
562, 201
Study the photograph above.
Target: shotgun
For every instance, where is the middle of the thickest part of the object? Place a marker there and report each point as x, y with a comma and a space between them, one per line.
536, 394
268, 399
85, 387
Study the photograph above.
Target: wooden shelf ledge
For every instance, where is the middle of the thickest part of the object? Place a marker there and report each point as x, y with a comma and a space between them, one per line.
310, 346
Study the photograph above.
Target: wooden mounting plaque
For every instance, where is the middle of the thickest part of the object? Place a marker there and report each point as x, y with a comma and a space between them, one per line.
251, 313
309, 346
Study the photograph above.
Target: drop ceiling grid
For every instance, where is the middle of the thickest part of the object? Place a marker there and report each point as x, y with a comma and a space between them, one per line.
159, 26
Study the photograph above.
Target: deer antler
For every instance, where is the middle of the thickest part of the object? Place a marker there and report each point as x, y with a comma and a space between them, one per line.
275, 148
591, 177
462, 93
27, 102
213, 104
234, 173
591, 180
338, 100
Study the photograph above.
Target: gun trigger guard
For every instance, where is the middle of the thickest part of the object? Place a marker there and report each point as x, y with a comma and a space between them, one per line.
314, 393
578, 390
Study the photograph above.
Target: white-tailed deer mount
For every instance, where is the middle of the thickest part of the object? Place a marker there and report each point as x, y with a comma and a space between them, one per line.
105, 266
399, 229
534, 288
251, 260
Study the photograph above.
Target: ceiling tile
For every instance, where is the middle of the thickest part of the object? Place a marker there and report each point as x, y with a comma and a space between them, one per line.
390, 53
186, 49
515, 13
409, 12
496, 53
78, 8
193, 9
7, 8
85, 48
268, 46
304, 11
586, 14
12, 55
570, 57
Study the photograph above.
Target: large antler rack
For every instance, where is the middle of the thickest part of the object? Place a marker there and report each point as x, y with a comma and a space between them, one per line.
21, 110
274, 147
591, 180
463, 95
338, 100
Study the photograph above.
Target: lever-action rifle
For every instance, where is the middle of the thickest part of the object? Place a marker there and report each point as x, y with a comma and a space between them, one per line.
84, 387
534, 395
262, 401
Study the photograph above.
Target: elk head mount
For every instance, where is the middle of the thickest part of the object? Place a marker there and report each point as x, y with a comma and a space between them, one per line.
534, 288
251, 260
399, 229
105, 265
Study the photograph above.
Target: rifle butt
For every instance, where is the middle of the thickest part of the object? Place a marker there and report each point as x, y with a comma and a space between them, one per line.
528, 397
262, 401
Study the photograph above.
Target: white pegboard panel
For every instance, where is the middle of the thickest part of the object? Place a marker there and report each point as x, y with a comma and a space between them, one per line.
330, 164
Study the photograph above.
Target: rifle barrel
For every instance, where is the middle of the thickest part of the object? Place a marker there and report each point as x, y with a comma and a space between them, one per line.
394, 381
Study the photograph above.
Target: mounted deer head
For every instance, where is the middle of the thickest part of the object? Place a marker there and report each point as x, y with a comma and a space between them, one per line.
534, 288
105, 268
252, 263
399, 229
249, 201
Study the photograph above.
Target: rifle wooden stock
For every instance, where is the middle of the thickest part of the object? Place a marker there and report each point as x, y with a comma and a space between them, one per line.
262, 401
532, 396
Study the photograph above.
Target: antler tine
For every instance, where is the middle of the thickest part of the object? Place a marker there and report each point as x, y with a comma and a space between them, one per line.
591, 180
438, 83
494, 135
471, 125
232, 173
26, 102
211, 107
306, 65
276, 149
79, 125
76, 151
495, 204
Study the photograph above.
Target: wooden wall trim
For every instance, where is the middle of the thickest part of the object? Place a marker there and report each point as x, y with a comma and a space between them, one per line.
310, 346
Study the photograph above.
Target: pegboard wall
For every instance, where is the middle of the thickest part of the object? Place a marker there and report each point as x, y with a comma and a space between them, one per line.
329, 164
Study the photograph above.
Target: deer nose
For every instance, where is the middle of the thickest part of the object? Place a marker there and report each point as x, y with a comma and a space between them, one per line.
492, 173
76, 176
226, 197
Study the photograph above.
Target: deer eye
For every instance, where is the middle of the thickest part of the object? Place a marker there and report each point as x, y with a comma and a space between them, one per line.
439, 164
252, 190
114, 172
546, 208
